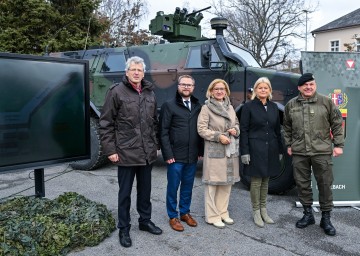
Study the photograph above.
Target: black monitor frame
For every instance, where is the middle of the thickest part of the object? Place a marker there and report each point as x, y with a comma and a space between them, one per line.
60, 81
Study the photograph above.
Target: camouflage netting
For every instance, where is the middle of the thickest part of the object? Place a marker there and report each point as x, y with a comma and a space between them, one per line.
35, 226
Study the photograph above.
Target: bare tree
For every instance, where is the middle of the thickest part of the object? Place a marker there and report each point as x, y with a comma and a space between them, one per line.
124, 17
265, 27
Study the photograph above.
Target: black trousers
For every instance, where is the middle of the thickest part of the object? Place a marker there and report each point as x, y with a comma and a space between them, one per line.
126, 175
321, 166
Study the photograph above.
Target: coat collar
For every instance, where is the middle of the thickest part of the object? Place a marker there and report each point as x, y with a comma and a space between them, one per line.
219, 108
145, 85
258, 101
179, 99
314, 98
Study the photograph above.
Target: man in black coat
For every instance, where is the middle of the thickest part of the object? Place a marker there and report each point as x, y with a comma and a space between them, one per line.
181, 146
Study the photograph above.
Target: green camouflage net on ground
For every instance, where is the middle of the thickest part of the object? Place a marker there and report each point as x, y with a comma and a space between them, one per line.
39, 226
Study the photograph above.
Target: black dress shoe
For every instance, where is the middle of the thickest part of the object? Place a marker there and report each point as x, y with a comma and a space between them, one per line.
150, 227
124, 237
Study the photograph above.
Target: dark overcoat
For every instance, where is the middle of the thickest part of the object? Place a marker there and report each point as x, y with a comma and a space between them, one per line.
260, 137
178, 130
129, 124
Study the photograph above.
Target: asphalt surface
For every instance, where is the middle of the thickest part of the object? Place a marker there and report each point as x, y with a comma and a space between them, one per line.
241, 238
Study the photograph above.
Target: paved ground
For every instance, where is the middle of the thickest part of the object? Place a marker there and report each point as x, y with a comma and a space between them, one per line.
242, 238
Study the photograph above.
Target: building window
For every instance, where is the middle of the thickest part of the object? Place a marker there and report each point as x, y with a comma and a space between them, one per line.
334, 46
357, 44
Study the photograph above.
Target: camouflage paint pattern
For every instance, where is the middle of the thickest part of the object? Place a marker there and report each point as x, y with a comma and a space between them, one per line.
204, 59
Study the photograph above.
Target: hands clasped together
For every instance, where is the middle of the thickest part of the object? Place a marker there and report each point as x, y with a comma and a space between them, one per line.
225, 139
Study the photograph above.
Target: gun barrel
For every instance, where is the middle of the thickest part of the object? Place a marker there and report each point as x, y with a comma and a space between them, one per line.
206, 8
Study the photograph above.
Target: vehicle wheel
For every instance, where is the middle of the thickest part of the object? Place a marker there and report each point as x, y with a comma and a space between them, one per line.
281, 183
97, 158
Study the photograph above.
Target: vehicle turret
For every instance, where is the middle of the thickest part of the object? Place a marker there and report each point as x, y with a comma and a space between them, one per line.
179, 26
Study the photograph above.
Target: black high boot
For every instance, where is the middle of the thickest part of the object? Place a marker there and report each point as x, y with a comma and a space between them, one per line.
307, 219
326, 225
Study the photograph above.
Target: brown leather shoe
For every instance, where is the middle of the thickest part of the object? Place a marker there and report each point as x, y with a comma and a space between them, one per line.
189, 220
175, 224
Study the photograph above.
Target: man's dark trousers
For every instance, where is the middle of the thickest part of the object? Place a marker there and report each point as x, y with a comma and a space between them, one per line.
321, 166
126, 175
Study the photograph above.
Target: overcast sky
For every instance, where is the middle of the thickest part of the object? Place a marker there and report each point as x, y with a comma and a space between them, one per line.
328, 11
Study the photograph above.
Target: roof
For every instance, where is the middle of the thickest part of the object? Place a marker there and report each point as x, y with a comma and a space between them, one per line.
349, 20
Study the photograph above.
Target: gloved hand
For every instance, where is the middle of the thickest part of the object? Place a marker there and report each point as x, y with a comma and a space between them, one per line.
245, 159
280, 157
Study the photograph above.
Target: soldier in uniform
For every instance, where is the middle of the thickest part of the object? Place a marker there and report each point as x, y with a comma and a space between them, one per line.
312, 124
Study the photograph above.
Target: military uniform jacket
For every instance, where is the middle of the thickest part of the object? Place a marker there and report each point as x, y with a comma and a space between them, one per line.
307, 125
129, 124
260, 138
178, 130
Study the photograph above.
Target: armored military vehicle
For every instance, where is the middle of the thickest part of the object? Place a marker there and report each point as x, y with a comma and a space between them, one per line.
185, 52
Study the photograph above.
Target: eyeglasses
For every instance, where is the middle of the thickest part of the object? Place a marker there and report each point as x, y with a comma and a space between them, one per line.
219, 89
136, 69
186, 85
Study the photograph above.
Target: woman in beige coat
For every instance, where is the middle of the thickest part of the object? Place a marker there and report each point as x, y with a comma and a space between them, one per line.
219, 126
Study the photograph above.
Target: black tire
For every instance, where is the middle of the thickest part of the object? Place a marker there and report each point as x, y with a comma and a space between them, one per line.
97, 158
281, 183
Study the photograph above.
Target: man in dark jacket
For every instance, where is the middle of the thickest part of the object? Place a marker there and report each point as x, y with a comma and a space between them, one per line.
181, 146
308, 120
128, 128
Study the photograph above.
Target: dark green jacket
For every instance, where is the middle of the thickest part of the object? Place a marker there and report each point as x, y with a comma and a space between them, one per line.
307, 125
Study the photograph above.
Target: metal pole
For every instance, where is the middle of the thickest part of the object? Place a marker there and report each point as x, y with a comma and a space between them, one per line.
306, 18
306, 31
39, 182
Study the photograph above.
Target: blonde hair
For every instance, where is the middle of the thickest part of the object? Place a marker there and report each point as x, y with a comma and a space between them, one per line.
212, 85
259, 81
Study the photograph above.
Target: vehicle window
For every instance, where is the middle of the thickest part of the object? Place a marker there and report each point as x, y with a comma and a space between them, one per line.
214, 55
245, 55
215, 60
114, 62
194, 58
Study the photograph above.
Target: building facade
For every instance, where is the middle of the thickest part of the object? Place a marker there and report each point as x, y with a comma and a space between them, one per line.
340, 35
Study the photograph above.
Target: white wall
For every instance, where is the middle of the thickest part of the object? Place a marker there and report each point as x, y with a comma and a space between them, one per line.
323, 39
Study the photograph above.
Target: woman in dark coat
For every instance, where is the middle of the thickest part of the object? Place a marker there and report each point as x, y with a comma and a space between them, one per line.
260, 145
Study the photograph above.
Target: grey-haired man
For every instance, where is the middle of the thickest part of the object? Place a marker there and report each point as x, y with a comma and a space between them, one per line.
128, 129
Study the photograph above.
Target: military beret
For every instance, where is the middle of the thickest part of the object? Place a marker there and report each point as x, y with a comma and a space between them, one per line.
305, 78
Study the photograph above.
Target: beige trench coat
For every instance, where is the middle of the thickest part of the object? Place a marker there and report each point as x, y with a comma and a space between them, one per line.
214, 120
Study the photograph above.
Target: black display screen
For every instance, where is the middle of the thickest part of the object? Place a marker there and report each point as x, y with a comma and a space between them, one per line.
44, 111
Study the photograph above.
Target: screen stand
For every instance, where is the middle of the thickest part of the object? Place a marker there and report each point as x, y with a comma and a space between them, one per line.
39, 182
